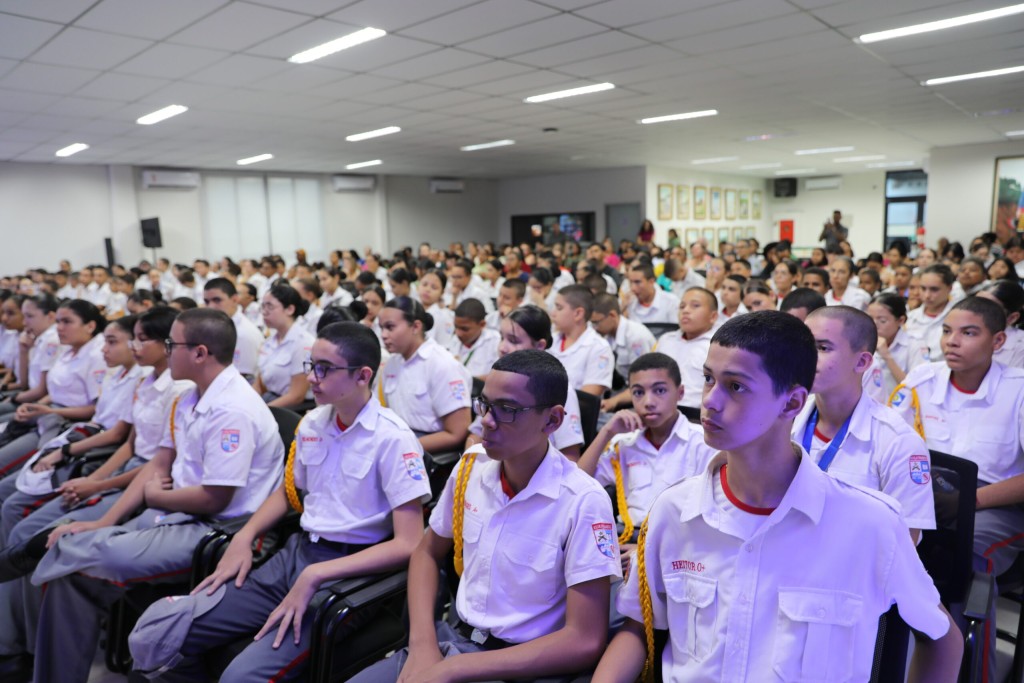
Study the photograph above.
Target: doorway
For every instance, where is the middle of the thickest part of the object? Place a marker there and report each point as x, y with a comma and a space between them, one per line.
622, 221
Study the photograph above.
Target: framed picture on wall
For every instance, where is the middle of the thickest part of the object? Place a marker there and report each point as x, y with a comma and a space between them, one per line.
709, 236
750, 231
723, 235
737, 234
692, 235
665, 202
755, 205
730, 204
715, 210
743, 209
683, 202
700, 203
1007, 210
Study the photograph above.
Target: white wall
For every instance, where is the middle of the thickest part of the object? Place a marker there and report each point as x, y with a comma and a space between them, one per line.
576, 192
960, 189
181, 219
415, 215
693, 177
861, 198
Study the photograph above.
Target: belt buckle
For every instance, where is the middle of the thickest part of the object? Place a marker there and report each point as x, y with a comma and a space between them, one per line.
479, 637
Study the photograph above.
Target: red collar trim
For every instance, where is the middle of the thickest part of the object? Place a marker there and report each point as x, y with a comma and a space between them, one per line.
506, 487
819, 435
341, 425
739, 503
959, 388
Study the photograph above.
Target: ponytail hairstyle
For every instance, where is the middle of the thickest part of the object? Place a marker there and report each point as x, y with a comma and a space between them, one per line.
156, 322
126, 324
412, 311
288, 296
895, 304
46, 303
535, 322
87, 312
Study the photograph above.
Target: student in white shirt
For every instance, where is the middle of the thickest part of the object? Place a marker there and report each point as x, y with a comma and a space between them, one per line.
765, 565
629, 340
971, 275
897, 352
840, 270
309, 289
490, 273
681, 276
925, 322
587, 357
220, 295
801, 302
730, 299
463, 287
421, 381
511, 295
646, 301
430, 290
758, 296
330, 283
785, 278
12, 324
541, 286
688, 346
99, 292
281, 381
1011, 297
477, 346
817, 279
38, 347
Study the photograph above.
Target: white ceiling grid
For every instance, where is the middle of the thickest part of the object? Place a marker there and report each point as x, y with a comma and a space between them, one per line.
455, 72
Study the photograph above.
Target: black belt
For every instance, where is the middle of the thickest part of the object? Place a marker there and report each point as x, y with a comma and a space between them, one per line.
475, 635
338, 546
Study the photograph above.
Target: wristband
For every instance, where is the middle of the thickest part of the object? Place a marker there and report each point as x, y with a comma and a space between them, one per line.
65, 450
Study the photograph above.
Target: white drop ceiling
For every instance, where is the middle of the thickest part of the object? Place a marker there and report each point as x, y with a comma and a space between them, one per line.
454, 72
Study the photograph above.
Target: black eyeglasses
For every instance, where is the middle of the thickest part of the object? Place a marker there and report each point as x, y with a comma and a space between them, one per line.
169, 345
321, 369
503, 412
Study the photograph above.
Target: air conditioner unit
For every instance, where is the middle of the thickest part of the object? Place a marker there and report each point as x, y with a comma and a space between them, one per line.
447, 186
829, 182
353, 183
178, 179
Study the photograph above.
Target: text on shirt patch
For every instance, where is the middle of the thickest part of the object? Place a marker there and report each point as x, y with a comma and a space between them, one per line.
604, 538
229, 440
414, 466
919, 469
899, 398
602, 361
458, 389
687, 566
876, 377
574, 422
308, 439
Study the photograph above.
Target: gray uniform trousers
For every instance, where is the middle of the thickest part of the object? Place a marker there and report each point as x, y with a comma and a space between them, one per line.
241, 612
154, 547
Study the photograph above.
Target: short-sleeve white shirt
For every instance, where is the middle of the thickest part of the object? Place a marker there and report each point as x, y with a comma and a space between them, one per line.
76, 376
475, 291
117, 391
588, 361
1011, 354
928, 329
479, 357
690, 354
280, 360
425, 388
664, 308
43, 354
443, 331
907, 351
853, 296
522, 554
10, 349
881, 453
151, 411
632, 340
354, 478
227, 438
247, 346
340, 295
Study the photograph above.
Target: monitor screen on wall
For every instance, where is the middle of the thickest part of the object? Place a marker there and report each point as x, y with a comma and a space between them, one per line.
539, 228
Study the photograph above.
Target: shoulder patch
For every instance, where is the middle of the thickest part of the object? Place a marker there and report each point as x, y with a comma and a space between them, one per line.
458, 389
230, 439
603, 537
920, 469
414, 466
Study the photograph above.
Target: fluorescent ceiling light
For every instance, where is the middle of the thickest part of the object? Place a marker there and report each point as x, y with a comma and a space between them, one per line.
941, 24
487, 145
795, 171
254, 160
373, 133
363, 164
572, 92
864, 157
680, 117
970, 77
161, 114
1012, 133
822, 150
72, 149
713, 160
755, 167
351, 40
892, 164
759, 138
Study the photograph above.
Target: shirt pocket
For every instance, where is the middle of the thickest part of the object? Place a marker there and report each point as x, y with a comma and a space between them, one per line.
692, 613
815, 633
533, 576
640, 477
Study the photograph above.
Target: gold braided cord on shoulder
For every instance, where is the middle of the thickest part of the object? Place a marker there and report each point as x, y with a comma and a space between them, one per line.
174, 409
620, 498
289, 474
646, 607
459, 507
915, 403
380, 393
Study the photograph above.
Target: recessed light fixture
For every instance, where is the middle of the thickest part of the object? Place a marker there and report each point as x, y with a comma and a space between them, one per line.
351, 40
977, 74
363, 164
1013, 133
572, 92
759, 138
254, 160
864, 157
796, 171
755, 167
822, 150
680, 117
488, 145
940, 25
161, 115
892, 164
72, 149
713, 160
373, 133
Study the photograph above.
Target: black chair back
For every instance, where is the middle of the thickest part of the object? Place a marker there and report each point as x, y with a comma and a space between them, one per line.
590, 409
287, 422
890, 662
658, 329
947, 551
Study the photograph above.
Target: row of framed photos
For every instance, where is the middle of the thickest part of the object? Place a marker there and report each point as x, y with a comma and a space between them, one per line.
675, 200
714, 236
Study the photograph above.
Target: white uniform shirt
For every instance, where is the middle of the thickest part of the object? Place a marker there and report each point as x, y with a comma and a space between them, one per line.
853, 296
522, 555
117, 392
280, 360
254, 314
631, 341
443, 331
986, 427
425, 388
98, 295
664, 308
1012, 352
340, 295
43, 354
10, 349
227, 438
117, 305
247, 346
907, 351
310, 318
690, 354
647, 471
928, 329
354, 478
691, 279
881, 453
588, 361
479, 357
569, 433
151, 411
75, 378
475, 291
791, 596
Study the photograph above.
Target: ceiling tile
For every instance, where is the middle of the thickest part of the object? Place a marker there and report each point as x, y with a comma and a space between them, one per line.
20, 37
437, 62
81, 107
535, 36
316, 8
369, 56
406, 93
392, 15
478, 74
63, 12
120, 87
238, 26
479, 20
16, 100
239, 70
171, 61
304, 37
719, 16
89, 49
301, 77
153, 19
607, 43
52, 79
628, 12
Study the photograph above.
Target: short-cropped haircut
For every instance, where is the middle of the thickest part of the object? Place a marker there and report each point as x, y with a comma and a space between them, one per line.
783, 343
547, 380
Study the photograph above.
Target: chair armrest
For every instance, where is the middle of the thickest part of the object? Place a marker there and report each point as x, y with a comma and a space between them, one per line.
445, 459
979, 594
387, 587
93, 455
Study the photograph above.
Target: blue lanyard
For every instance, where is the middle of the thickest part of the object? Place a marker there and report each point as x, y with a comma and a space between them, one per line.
833, 446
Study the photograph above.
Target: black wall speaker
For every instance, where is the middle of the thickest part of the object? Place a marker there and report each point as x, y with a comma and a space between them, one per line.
151, 233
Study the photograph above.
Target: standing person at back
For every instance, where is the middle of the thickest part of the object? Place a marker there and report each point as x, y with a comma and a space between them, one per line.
688, 346
586, 356
646, 301
220, 295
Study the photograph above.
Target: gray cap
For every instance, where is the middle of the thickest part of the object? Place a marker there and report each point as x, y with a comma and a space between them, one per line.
156, 640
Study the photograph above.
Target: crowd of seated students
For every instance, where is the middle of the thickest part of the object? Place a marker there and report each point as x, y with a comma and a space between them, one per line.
897, 353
